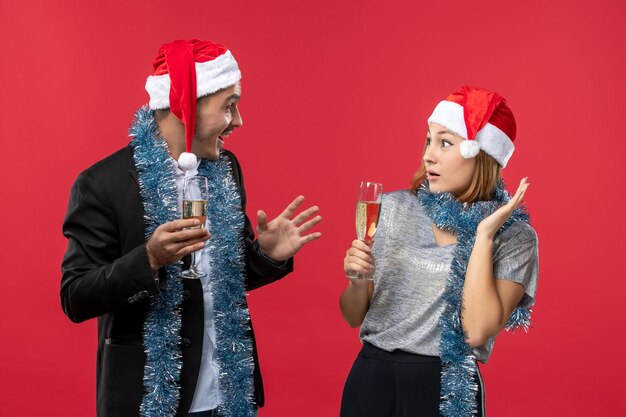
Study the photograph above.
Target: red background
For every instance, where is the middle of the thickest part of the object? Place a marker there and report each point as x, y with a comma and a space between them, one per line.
334, 93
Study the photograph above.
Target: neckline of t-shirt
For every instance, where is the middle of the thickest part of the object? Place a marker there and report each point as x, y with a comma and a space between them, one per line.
434, 239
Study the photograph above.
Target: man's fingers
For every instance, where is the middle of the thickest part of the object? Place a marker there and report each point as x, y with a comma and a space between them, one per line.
305, 214
169, 244
175, 247
261, 221
311, 223
188, 234
292, 207
186, 250
176, 225
310, 237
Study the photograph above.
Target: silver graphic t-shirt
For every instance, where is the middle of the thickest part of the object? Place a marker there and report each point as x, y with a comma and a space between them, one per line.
411, 274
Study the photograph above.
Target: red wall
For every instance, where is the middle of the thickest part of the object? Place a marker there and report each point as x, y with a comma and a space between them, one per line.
334, 93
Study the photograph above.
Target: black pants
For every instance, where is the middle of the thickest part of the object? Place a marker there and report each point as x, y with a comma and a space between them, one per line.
395, 384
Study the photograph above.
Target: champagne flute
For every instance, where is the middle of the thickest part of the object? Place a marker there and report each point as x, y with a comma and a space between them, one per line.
367, 214
195, 203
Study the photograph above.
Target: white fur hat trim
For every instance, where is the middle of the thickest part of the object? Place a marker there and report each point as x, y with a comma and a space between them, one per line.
211, 76
490, 138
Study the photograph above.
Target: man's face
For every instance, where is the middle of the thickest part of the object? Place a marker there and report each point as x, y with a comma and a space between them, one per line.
217, 116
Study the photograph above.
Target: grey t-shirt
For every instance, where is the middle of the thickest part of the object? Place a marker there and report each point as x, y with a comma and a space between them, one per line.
411, 274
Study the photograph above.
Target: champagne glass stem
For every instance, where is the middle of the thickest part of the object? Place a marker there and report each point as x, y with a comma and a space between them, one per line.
193, 268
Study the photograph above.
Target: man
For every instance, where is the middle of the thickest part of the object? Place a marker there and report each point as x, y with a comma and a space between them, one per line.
169, 346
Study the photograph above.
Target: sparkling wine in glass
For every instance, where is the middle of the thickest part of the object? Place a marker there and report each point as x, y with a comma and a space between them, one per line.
367, 214
195, 204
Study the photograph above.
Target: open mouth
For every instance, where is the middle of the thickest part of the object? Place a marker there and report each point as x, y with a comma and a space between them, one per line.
222, 137
431, 175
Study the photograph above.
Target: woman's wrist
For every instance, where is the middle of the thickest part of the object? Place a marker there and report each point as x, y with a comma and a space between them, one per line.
357, 283
484, 237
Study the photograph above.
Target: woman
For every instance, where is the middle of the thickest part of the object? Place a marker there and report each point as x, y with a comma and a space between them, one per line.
454, 261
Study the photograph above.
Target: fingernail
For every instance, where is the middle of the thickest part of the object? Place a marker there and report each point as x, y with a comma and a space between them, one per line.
196, 221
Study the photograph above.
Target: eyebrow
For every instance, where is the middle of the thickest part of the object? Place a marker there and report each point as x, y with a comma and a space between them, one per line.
441, 132
233, 96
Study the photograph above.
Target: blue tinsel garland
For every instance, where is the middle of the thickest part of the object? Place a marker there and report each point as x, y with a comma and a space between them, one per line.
226, 246
163, 322
458, 389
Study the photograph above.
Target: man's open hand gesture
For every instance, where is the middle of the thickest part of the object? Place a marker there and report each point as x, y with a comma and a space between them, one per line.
281, 238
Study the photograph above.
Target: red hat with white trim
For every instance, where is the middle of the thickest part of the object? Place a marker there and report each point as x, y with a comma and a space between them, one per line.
185, 70
482, 118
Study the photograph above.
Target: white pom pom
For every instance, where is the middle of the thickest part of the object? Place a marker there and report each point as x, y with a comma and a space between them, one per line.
187, 161
469, 148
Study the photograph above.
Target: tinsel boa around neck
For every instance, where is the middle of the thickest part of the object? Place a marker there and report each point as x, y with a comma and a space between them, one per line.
226, 247
458, 389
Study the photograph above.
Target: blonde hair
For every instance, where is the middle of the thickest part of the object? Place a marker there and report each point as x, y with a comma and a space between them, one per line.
484, 180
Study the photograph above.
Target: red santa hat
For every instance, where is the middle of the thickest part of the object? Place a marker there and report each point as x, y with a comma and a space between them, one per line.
185, 70
482, 118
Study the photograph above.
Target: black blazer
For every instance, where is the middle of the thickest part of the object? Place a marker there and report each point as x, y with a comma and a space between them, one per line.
106, 274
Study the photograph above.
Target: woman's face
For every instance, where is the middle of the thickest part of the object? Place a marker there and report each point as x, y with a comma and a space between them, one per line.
446, 169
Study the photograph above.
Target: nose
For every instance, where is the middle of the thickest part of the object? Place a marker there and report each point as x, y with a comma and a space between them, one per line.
237, 120
428, 155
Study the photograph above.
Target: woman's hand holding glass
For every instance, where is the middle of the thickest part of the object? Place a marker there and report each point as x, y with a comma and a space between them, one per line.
359, 262
367, 214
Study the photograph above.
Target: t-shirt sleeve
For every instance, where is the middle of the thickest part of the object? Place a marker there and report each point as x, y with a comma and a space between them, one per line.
516, 258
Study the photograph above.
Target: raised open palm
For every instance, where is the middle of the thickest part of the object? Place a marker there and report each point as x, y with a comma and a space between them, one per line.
492, 223
282, 237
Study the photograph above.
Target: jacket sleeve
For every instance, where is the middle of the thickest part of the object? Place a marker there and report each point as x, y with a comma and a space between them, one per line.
96, 277
260, 270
